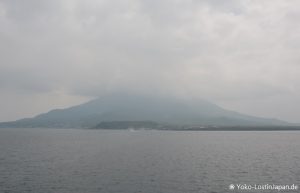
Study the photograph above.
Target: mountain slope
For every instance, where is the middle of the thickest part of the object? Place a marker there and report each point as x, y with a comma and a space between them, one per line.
141, 108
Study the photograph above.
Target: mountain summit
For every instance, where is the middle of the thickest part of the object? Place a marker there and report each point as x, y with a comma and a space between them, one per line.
142, 108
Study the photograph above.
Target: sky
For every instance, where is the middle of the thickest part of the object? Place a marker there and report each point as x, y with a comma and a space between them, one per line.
243, 55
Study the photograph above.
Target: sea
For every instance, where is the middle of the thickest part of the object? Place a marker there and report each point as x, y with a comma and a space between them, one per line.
148, 161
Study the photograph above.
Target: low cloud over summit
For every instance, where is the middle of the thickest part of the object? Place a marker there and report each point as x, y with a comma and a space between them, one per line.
242, 55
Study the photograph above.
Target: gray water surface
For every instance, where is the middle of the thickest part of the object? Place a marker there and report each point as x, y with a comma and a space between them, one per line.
90, 161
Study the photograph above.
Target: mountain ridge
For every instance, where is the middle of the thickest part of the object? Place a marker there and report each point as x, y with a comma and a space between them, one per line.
128, 107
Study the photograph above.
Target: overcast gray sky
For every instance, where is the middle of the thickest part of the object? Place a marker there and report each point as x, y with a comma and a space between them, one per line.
243, 55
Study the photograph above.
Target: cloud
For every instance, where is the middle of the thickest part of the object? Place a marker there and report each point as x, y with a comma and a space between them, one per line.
226, 51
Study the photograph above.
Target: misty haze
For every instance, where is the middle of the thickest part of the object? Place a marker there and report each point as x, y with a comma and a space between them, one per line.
149, 96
